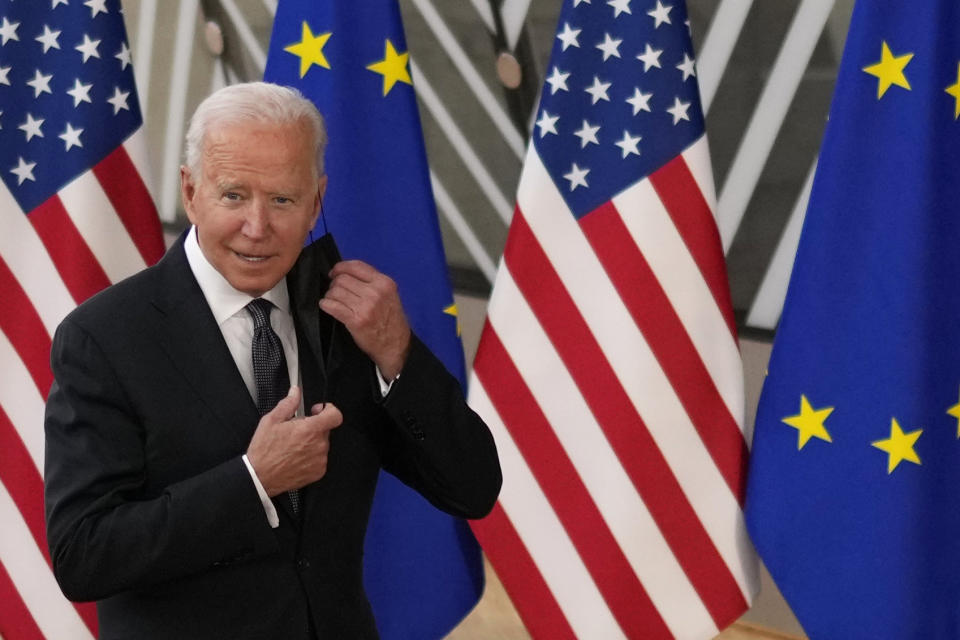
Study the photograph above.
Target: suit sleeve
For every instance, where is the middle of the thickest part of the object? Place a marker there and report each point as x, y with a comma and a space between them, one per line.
437, 444
106, 533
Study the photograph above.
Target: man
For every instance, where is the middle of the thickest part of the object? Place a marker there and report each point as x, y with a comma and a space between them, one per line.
191, 489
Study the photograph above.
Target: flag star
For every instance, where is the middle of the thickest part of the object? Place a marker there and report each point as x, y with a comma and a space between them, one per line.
889, 70
610, 47
23, 171
650, 58
955, 412
577, 177
569, 36
679, 110
587, 134
48, 39
809, 423
3, 75
71, 137
598, 90
53, 5
628, 144
620, 6
119, 100
123, 55
954, 90
558, 80
452, 311
96, 6
8, 31
393, 67
899, 446
687, 67
640, 101
31, 128
40, 83
547, 123
80, 92
310, 49
88, 48
660, 14
576, 3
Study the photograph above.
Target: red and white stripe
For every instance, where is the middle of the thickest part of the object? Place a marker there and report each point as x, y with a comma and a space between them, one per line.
610, 375
100, 228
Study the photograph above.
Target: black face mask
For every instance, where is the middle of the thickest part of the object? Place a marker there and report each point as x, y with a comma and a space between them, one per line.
308, 281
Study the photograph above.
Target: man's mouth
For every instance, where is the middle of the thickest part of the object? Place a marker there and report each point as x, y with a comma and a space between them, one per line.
249, 257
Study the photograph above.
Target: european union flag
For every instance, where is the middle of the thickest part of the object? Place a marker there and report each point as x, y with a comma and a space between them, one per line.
854, 489
423, 569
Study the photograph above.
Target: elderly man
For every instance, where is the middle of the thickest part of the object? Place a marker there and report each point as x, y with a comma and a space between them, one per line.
213, 440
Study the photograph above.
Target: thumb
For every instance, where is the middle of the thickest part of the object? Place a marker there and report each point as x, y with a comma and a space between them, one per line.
287, 407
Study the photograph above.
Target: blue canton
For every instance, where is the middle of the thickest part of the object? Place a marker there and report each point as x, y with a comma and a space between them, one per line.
620, 99
67, 96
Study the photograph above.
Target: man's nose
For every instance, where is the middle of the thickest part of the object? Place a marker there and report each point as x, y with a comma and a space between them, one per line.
256, 222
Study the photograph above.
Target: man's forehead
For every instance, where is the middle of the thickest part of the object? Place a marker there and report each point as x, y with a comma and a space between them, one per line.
233, 149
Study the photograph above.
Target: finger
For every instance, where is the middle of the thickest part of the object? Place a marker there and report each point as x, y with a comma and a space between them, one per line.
332, 413
356, 268
328, 419
338, 311
347, 292
287, 407
317, 408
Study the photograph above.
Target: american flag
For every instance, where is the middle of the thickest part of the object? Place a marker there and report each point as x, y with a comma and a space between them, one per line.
608, 368
76, 216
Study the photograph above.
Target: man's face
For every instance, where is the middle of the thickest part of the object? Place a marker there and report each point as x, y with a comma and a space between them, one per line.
255, 201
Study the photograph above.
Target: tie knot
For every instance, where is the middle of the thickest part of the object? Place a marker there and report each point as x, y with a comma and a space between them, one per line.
259, 309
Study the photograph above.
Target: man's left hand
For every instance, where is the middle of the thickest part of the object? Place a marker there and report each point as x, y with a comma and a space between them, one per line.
367, 303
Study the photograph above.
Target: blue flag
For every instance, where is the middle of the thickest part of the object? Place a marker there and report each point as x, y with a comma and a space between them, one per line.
854, 491
423, 569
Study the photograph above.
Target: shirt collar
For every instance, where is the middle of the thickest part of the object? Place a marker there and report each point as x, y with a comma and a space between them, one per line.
224, 300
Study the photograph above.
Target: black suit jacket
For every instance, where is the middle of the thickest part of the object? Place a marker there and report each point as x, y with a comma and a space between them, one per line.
150, 508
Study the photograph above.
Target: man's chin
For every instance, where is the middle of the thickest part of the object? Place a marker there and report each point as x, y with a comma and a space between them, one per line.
254, 286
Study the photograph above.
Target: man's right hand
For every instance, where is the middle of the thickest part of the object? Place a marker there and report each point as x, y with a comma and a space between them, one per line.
287, 452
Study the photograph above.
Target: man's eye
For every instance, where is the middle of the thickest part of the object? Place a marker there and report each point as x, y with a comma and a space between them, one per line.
282, 200
230, 195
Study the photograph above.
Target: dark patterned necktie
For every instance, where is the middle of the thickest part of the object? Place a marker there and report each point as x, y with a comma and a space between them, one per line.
269, 367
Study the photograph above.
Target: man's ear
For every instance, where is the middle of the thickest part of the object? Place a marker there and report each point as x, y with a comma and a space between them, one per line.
188, 190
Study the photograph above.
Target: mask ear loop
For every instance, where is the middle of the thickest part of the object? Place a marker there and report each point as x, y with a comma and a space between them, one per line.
323, 221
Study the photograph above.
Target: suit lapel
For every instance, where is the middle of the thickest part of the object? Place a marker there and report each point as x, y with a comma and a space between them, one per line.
189, 334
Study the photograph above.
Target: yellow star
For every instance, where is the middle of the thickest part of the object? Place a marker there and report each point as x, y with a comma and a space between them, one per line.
899, 445
954, 90
452, 311
393, 67
809, 422
310, 49
955, 412
889, 70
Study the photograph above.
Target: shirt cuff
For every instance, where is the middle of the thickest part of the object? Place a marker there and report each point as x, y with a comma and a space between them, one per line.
384, 385
268, 508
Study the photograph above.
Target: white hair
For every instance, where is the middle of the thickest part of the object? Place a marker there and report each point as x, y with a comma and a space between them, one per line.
258, 102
